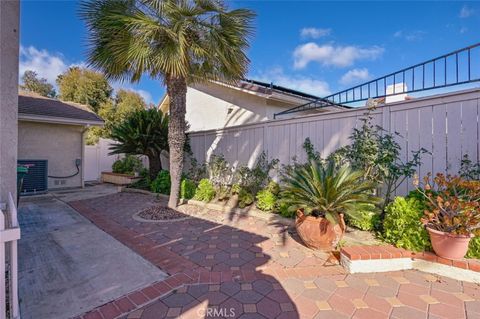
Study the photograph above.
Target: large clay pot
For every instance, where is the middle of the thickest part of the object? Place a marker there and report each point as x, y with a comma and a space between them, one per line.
449, 246
318, 232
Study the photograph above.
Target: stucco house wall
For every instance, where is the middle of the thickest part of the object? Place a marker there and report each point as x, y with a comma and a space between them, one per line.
60, 144
211, 106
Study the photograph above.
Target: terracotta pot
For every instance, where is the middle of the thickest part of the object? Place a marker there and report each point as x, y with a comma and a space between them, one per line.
318, 232
447, 245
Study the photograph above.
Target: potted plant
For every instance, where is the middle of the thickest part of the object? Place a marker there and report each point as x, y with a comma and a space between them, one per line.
321, 194
452, 214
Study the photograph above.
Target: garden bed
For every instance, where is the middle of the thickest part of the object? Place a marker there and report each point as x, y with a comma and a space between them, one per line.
118, 178
158, 214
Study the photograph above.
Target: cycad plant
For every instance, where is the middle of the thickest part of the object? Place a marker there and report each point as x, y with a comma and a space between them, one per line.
324, 189
176, 41
144, 132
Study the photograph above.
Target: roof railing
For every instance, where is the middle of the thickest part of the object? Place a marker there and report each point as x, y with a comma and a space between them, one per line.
455, 68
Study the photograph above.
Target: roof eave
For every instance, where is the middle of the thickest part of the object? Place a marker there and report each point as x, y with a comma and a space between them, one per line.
58, 120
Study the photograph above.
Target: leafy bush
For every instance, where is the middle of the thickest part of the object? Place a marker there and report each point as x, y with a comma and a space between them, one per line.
219, 171
205, 191
474, 248
402, 226
161, 184
223, 192
266, 200
273, 187
187, 189
468, 169
258, 177
366, 219
196, 172
377, 153
236, 189
282, 208
128, 165
245, 198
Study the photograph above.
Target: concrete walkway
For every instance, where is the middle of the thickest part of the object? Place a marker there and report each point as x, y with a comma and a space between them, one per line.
68, 265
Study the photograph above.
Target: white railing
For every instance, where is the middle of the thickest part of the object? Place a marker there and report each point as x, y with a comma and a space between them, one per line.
9, 236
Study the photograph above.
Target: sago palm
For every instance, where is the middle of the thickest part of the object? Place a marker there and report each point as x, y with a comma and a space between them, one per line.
144, 132
175, 41
326, 190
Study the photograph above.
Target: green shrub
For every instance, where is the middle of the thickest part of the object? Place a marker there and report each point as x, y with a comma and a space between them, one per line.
187, 189
266, 200
365, 220
223, 192
236, 188
402, 226
474, 248
245, 198
161, 184
205, 191
283, 209
273, 188
128, 165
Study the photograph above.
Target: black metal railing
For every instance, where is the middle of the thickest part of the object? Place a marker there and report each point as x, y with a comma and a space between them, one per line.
455, 68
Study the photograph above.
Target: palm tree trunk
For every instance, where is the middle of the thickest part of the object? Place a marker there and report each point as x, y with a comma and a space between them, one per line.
154, 165
177, 92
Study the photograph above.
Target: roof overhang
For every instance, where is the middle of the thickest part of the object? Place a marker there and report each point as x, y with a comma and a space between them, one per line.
57, 120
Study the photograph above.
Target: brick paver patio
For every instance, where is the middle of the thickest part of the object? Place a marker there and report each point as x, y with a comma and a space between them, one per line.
247, 267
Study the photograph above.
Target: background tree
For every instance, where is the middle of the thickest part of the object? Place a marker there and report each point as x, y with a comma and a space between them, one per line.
114, 111
143, 132
31, 83
177, 41
84, 86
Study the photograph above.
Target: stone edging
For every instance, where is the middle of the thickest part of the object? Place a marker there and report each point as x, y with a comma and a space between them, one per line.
251, 211
365, 259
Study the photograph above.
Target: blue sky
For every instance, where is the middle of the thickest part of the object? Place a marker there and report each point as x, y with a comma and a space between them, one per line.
317, 47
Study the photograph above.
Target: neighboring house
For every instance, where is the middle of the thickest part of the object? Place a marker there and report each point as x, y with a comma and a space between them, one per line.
51, 133
214, 105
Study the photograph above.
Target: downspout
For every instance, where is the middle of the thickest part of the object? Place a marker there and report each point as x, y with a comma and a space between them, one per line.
82, 179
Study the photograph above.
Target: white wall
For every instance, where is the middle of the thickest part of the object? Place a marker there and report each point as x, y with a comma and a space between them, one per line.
60, 144
208, 107
97, 159
447, 125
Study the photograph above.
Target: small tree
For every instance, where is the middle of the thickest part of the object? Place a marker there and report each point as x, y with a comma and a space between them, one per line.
144, 132
31, 83
84, 86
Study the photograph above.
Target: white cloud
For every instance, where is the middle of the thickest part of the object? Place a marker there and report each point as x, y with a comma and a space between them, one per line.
466, 12
330, 55
415, 35
46, 64
314, 33
49, 65
463, 30
295, 82
355, 76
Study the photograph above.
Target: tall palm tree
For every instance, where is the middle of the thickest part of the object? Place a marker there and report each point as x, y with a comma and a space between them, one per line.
177, 41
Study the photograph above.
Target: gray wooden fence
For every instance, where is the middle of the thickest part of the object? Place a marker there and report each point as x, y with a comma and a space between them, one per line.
447, 125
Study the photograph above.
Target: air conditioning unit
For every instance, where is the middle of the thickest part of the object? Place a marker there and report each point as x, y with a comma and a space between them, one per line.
36, 180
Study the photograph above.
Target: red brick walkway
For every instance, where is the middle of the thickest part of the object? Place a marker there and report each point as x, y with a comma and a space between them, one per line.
245, 267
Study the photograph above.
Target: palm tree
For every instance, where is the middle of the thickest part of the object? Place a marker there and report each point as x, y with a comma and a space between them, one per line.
177, 41
144, 132
328, 190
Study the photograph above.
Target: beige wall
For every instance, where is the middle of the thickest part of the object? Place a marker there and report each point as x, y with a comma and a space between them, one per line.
212, 106
59, 144
9, 32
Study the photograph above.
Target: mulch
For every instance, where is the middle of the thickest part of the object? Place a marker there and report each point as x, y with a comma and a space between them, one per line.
160, 212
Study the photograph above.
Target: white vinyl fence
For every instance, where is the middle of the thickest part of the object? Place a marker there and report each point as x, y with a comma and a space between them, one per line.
9, 236
447, 125
97, 159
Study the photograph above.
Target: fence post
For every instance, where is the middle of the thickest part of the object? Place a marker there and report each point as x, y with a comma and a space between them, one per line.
14, 261
3, 287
